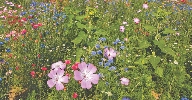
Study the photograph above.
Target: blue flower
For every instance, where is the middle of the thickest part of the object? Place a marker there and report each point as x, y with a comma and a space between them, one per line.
99, 52
8, 50
93, 53
42, 46
97, 46
100, 63
6, 39
184, 98
110, 61
107, 83
10, 68
1, 43
116, 41
102, 39
125, 69
122, 47
107, 64
125, 98
22, 13
101, 75
0, 79
112, 68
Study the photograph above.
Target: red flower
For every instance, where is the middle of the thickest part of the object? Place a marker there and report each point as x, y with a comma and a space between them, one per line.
67, 62
33, 65
75, 66
38, 55
183, 1
32, 73
23, 19
17, 67
43, 68
75, 95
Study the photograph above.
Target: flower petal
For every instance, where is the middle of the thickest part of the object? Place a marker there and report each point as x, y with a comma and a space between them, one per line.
59, 86
82, 66
77, 75
64, 79
51, 83
95, 78
60, 72
91, 68
86, 84
52, 74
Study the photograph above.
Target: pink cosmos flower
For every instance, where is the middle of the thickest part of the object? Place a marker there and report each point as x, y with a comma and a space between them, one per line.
122, 28
136, 20
145, 6
110, 53
57, 78
85, 75
58, 65
124, 81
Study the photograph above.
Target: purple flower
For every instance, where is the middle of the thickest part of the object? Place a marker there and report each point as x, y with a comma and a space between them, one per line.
184, 98
124, 81
57, 78
122, 28
58, 65
112, 68
99, 52
109, 53
85, 75
125, 98
93, 53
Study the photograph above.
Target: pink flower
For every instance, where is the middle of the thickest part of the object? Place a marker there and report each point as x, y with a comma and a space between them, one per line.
23, 31
58, 65
109, 53
145, 6
124, 81
57, 78
136, 20
85, 75
122, 28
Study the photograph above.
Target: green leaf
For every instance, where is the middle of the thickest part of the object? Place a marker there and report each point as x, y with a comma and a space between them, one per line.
79, 54
80, 37
159, 71
160, 43
141, 61
144, 44
154, 61
168, 50
149, 28
100, 32
167, 31
79, 25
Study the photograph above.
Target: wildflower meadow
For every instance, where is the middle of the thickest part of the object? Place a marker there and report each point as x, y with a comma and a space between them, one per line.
95, 49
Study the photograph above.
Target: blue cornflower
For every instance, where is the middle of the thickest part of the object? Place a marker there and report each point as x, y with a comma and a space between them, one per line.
125, 98
23, 13
97, 46
184, 98
42, 46
101, 75
8, 50
0, 79
1, 43
112, 68
110, 61
116, 41
100, 63
6, 39
93, 53
125, 69
107, 64
33, 3
99, 52
122, 47
102, 39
